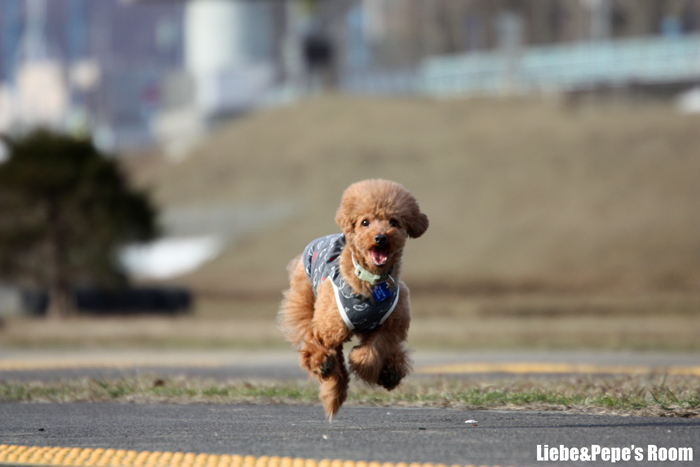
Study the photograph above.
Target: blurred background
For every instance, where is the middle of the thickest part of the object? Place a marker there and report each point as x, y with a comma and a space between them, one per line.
554, 145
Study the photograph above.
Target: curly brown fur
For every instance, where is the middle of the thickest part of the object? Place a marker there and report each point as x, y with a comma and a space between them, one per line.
313, 324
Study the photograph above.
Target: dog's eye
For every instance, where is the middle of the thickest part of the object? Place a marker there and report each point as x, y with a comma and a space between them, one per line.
365, 223
393, 223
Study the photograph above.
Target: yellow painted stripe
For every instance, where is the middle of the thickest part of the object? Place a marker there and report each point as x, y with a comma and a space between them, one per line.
45, 456
68, 363
555, 368
455, 368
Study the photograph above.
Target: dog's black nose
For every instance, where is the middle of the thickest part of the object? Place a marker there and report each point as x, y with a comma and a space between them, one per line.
380, 239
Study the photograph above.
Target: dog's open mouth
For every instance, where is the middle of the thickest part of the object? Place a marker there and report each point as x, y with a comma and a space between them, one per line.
379, 256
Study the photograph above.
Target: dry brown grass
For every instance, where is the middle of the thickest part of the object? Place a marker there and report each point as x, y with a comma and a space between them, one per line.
528, 322
551, 226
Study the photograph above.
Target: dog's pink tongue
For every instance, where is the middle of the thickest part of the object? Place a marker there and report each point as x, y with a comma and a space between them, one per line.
379, 256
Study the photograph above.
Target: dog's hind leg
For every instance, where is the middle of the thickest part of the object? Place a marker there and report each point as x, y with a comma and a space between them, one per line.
334, 387
322, 349
296, 317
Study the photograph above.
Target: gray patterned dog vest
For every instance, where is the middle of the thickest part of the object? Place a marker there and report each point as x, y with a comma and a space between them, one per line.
322, 261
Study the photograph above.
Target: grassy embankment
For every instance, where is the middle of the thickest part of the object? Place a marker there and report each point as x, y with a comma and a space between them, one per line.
551, 226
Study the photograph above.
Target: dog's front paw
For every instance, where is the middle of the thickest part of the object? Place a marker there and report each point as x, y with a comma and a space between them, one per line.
326, 367
389, 378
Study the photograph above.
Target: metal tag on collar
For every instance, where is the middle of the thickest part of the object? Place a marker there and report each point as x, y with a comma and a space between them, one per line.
381, 292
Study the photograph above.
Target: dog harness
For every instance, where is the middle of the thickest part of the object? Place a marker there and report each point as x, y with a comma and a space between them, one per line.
322, 261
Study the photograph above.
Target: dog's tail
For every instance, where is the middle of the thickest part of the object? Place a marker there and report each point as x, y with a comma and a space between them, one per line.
297, 310
334, 388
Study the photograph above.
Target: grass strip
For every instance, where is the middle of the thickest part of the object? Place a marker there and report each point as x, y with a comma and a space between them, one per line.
648, 395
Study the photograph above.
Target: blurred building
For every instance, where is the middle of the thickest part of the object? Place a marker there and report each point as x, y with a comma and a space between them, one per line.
131, 71
229, 51
81, 65
115, 67
446, 47
403, 32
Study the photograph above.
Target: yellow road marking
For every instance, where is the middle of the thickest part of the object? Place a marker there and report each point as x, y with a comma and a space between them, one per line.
62, 363
555, 368
454, 368
45, 456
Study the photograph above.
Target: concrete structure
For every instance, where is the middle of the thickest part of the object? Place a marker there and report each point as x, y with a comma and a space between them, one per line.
229, 51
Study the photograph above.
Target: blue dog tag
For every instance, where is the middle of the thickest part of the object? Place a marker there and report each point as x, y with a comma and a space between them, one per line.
381, 292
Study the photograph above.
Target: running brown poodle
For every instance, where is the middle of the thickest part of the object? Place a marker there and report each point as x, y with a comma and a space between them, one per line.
348, 284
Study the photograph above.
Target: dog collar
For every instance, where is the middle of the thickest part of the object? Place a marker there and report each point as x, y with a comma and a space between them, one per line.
364, 275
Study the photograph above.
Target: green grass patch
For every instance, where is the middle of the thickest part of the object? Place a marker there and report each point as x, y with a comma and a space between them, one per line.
624, 395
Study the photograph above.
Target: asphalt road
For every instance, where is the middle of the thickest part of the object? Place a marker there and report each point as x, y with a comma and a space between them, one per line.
370, 434
358, 434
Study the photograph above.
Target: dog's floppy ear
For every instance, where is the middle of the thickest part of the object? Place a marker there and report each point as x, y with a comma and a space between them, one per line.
417, 223
346, 216
344, 220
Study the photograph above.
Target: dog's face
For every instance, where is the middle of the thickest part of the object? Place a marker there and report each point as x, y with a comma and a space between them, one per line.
377, 216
